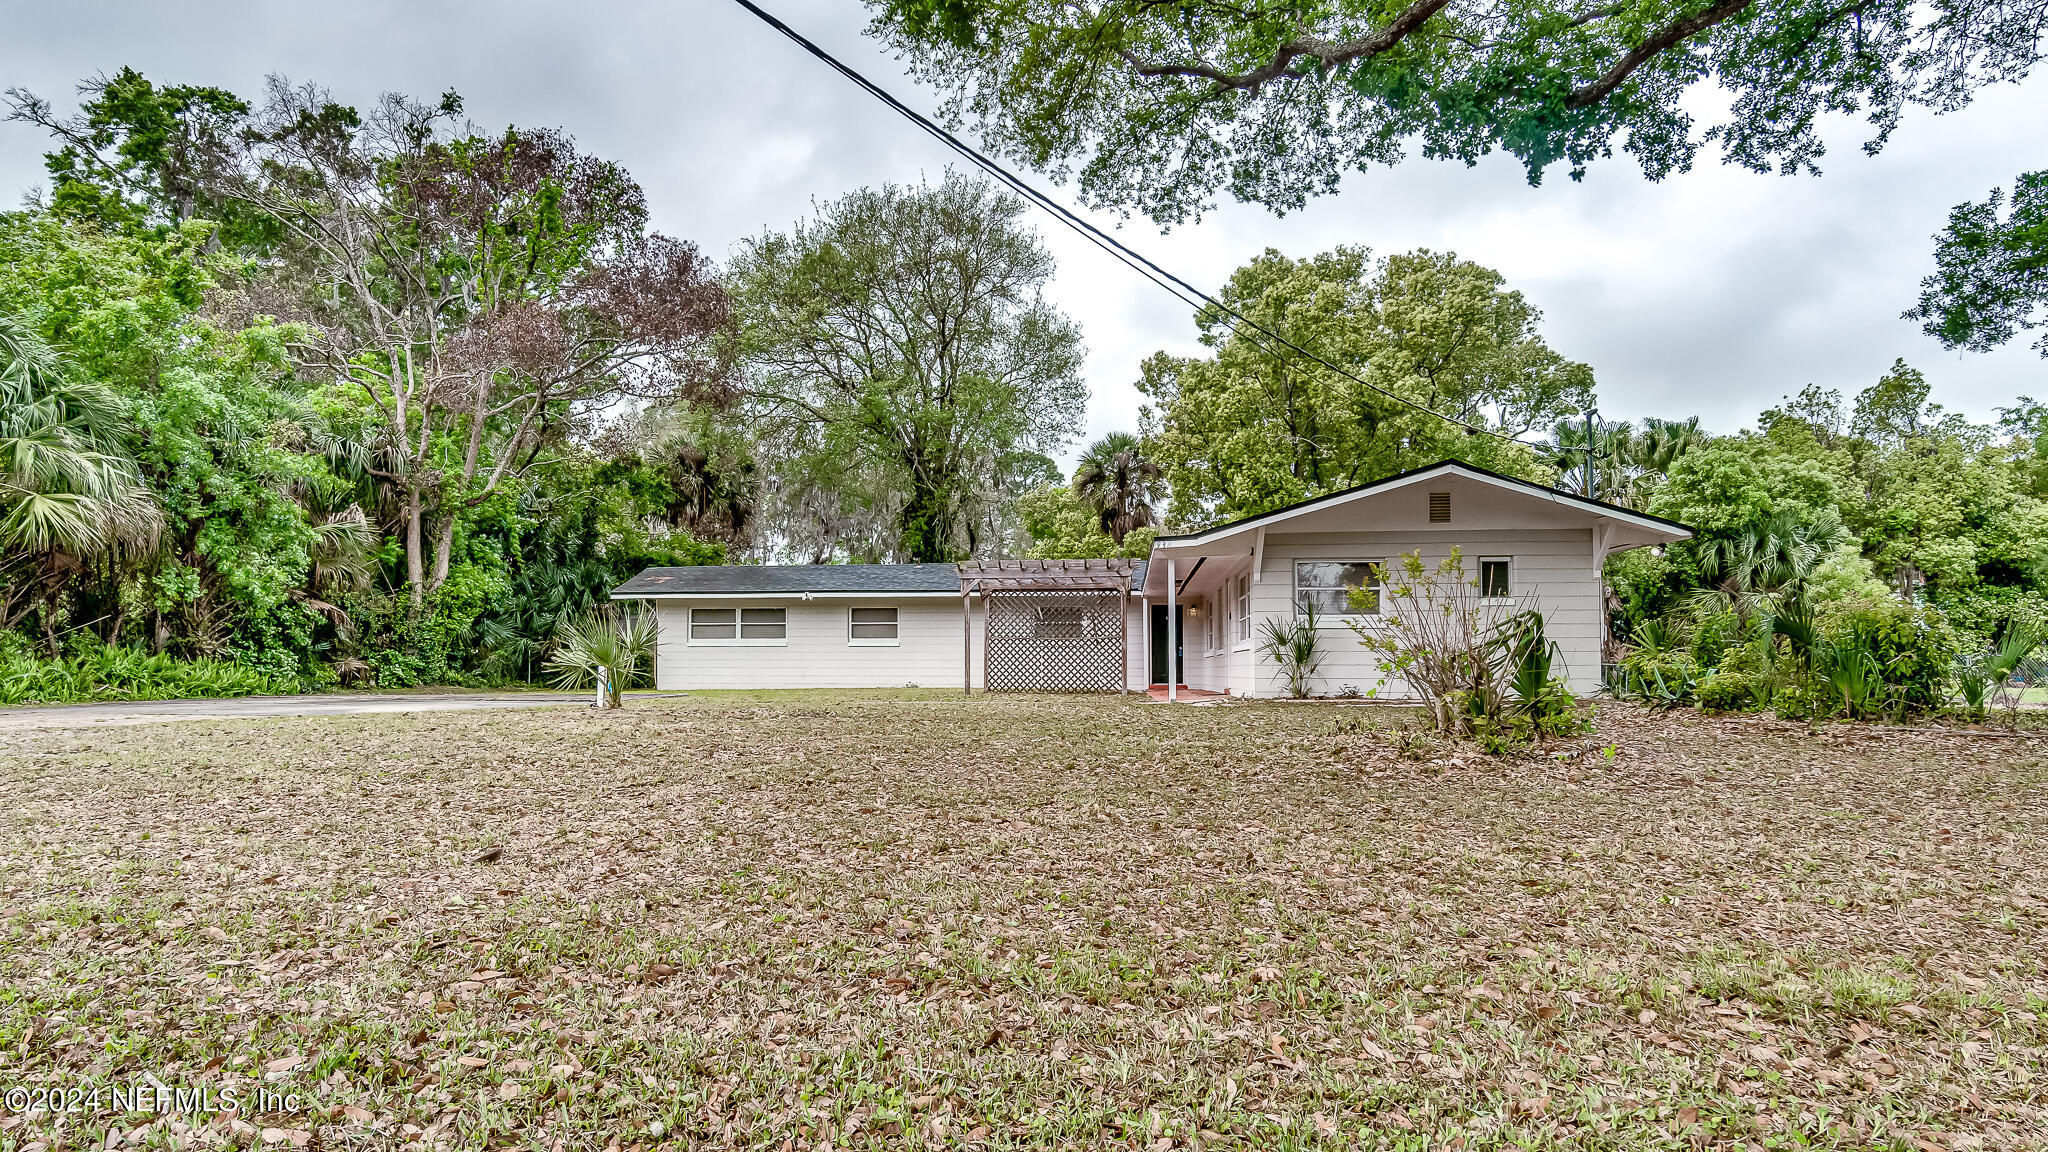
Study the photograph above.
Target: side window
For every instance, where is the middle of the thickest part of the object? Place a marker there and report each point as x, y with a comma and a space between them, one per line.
1326, 586
871, 625
713, 624
1244, 607
764, 623
1495, 580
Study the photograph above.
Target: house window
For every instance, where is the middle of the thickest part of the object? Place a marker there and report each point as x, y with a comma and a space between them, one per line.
871, 626
1244, 608
738, 625
713, 624
764, 623
1326, 586
1212, 623
1494, 581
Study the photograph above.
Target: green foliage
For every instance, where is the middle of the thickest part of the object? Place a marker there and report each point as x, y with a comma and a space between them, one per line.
94, 671
1725, 691
906, 364
1294, 647
1909, 648
1480, 666
1062, 526
1158, 106
608, 647
1249, 429
1736, 484
1119, 483
1659, 679
182, 475
1991, 277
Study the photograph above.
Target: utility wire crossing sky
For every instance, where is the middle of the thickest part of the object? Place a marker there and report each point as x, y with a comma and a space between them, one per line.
1714, 292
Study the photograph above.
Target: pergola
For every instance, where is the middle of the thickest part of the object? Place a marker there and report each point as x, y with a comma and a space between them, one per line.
1047, 625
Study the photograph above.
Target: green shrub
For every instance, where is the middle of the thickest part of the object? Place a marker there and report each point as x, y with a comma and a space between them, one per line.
95, 671
1732, 691
1914, 648
1713, 635
1799, 699
1659, 679
1556, 712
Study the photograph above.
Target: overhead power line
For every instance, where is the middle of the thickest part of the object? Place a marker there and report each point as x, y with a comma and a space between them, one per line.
1137, 261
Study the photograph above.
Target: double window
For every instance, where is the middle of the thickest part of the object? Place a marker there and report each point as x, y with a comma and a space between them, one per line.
739, 625
1327, 587
871, 626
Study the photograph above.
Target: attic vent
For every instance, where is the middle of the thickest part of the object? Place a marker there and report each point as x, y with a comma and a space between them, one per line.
1439, 507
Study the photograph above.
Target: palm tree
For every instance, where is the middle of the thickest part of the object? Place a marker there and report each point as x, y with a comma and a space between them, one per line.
1653, 451
1746, 570
1118, 482
1607, 476
1661, 442
68, 494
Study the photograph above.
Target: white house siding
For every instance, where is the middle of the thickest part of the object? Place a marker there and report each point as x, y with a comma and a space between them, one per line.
817, 652
1552, 569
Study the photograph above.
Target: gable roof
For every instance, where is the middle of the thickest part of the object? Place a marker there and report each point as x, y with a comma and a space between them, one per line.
1673, 528
804, 579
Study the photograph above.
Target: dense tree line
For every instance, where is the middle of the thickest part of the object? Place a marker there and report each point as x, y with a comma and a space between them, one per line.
335, 395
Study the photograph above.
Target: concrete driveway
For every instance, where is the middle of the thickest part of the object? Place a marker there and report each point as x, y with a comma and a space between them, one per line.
257, 707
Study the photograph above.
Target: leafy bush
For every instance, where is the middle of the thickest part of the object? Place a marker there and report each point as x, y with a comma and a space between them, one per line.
1799, 699
1913, 649
96, 671
1732, 691
1659, 679
1713, 634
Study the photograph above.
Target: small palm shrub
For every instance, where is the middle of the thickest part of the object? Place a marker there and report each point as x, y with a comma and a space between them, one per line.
1294, 648
2000, 675
609, 645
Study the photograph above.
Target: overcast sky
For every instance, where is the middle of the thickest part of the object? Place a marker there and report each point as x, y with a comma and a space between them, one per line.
1714, 292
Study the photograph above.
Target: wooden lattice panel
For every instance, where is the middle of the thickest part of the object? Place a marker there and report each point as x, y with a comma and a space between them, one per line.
1055, 642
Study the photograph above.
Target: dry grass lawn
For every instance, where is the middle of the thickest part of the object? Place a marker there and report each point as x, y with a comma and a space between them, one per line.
853, 921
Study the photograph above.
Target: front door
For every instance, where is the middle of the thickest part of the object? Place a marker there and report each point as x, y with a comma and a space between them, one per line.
1159, 644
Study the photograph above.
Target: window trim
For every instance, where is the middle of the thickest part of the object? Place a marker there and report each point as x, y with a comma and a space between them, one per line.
1241, 632
1336, 619
893, 640
1509, 595
738, 625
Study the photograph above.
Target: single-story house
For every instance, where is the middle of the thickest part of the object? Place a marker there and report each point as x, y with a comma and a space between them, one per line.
1108, 625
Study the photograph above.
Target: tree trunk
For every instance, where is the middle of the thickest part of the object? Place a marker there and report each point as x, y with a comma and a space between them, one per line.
415, 571
444, 543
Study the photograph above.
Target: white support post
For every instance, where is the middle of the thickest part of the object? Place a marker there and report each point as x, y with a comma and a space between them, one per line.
1172, 639
1145, 638
1258, 552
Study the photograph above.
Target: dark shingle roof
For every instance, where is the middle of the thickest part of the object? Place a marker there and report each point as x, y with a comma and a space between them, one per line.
797, 579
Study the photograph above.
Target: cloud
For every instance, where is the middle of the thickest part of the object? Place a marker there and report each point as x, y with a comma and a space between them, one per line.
1716, 291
